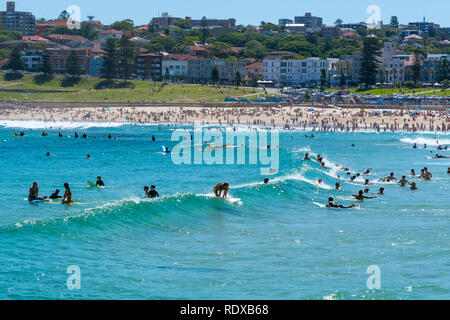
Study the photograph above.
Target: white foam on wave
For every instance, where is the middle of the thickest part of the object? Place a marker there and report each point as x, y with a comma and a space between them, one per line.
39, 124
425, 140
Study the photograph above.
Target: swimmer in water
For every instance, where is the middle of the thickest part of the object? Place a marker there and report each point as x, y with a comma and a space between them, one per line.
67, 198
266, 180
367, 171
338, 187
366, 190
360, 196
389, 178
413, 186
221, 187
380, 192
448, 170
307, 157
319, 181
55, 195
99, 182
153, 193
413, 173
367, 183
402, 182
332, 204
146, 191
88, 156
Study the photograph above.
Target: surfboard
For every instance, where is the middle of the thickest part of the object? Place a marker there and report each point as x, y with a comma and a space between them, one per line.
230, 200
93, 185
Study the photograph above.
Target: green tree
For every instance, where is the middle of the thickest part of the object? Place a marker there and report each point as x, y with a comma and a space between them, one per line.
238, 79
204, 29
64, 15
126, 57
46, 66
338, 23
15, 60
167, 74
444, 71
394, 22
221, 50
109, 68
323, 78
369, 62
416, 69
215, 75
73, 67
342, 80
183, 24
124, 25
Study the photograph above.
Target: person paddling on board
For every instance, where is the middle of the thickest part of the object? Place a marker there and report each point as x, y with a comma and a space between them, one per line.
55, 195
221, 187
332, 204
153, 193
99, 182
34, 193
67, 199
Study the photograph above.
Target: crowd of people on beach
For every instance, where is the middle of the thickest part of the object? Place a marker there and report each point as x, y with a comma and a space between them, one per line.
324, 119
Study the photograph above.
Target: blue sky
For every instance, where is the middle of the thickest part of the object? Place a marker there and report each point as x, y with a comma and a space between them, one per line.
245, 11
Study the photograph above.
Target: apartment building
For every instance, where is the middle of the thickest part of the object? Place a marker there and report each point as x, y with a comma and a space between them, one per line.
311, 23
149, 66
293, 72
59, 56
200, 70
23, 22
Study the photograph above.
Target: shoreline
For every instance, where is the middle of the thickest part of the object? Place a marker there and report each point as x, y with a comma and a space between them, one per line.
302, 118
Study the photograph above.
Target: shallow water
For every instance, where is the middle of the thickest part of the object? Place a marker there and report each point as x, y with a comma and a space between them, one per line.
275, 244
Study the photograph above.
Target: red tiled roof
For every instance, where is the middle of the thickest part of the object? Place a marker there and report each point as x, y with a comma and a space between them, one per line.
256, 65
182, 57
111, 31
57, 23
66, 37
196, 48
35, 38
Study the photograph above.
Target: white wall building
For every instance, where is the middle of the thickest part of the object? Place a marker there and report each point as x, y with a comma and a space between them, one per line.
175, 68
293, 72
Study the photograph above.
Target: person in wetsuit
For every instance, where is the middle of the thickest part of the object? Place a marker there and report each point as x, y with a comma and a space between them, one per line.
55, 195
99, 182
153, 193
332, 204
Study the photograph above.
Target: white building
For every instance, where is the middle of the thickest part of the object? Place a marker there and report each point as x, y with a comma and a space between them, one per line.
293, 72
114, 34
174, 68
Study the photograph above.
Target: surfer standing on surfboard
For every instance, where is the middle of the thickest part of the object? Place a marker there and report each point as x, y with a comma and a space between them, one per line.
221, 187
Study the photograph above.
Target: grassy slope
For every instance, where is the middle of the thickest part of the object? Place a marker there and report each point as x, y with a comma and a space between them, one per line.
143, 91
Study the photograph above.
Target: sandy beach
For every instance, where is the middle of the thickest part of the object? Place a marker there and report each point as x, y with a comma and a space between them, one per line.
288, 117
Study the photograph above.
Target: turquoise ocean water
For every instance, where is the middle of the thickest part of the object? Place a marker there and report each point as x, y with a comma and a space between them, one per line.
275, 244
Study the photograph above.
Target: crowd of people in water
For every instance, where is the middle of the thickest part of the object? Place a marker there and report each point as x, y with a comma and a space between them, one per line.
221, 189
